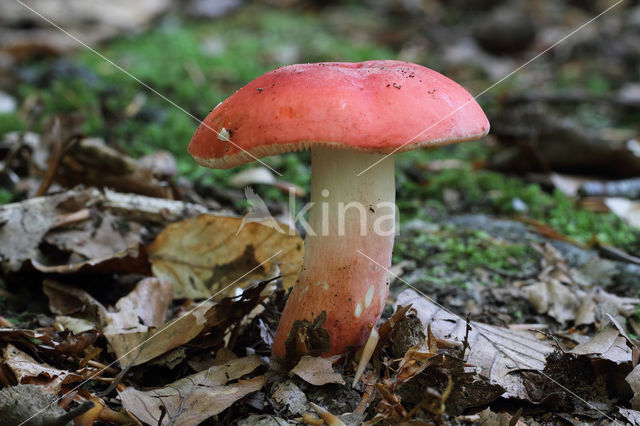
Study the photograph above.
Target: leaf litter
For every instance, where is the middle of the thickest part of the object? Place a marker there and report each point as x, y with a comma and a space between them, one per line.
429, 363
127, 267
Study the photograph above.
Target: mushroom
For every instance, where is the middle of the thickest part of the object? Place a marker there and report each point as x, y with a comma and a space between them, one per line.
352, 116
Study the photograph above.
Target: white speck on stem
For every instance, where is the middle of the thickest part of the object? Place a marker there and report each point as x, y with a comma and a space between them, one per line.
358, 311
368, 298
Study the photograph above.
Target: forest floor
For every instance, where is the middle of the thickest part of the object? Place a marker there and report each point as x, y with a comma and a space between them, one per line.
519, 253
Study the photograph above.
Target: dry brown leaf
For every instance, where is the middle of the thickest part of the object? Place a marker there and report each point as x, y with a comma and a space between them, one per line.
132, 260
633, 379
414, 362
317, 371
25, 224
142, 343
66, 300
289, 394
554, 299
195, 398
103, 236
632, 416
90, 21
28, 371
138, 348
495, 352
137, 315
627, 210
204, 254
606, 344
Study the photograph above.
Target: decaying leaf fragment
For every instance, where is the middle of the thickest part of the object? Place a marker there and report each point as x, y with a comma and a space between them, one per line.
204, 254
606, 344
416, 358
137, 316
195, 398
633, 379
495, 352
317, 371
28, 371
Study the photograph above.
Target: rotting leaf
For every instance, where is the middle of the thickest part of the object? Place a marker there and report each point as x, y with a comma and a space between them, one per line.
66, 300
494, 352
317, 371
633, 379
132, 260
202, 255
306, 338
606, 344
287, 393
632, 416
195, 398
28, 371
137, 314
208, 322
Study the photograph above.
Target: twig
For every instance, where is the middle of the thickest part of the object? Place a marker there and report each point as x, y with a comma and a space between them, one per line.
465, 342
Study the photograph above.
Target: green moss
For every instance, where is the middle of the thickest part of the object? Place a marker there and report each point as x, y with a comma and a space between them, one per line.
449, 256
495, 193
10, 122
198, 64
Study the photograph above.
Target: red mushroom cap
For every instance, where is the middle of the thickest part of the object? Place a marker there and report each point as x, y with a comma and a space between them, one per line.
373, 106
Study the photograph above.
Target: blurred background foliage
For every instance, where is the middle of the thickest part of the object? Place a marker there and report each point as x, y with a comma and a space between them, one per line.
196, 53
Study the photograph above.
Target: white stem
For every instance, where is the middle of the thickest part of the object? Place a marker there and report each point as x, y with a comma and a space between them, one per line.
350, 213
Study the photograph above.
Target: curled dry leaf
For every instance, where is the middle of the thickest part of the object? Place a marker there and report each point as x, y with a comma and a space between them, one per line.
202, 255
195, 398
627, 210
24, 226
632, 416
317, 371
135, 343
496, 353
28, 371
89, 22
607, 344
289, 394
102, 236
137, 315
415, 360
633, 379
554, 299
66, 300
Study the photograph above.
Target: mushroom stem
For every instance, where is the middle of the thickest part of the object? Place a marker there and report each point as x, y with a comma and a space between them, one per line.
348, 213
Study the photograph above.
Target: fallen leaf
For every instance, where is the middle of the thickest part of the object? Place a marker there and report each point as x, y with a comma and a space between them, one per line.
136, 315
28, 371
202, 255
289, 394
75, 325
140, 347
89, 22
632, 416
317, 371
633, 379
24, 225
193, 399
606, 344
102, 236
132, 260
554, 299
66, 300
625, 209
495, 352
